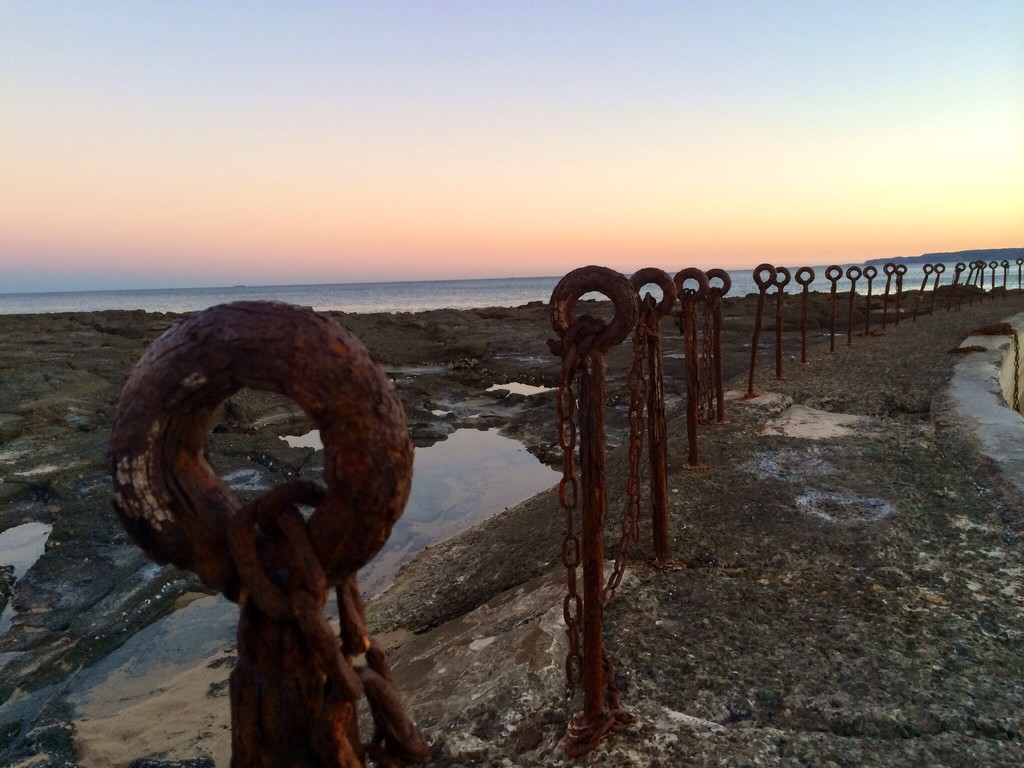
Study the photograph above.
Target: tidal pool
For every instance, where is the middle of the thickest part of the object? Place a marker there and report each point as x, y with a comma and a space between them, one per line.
456, 483
20, 547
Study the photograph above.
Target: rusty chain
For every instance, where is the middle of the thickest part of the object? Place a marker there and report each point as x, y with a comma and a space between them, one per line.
637, 385
568, 496
395, 741
1016, 371
705, 373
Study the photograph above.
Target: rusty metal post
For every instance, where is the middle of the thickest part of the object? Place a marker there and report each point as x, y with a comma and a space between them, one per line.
939, 269
955, 291
901, 271
971, 279
870, 272
782, 278
928, 269
853, 275
804, 277
889, 270
1006, 272
993, 265
717, 294
1020, 264
764, 277
689, 298
295, 689
657, 433
582, 345
832, 274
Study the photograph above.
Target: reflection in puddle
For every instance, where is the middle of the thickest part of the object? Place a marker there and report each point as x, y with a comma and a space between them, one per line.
518, 388
456, 484
20, 547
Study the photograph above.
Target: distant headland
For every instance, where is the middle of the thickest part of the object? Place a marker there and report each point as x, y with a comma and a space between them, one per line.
985, 254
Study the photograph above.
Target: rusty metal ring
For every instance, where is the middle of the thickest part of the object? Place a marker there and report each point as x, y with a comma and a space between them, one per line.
854, 273
691, 273
1020, 262
804, 276
928, 269
1004, 264
992, 264
889, 269
960, 267
782, 277
660, 278
833, 273
901, 269
601, 280
940, 268
169, 498
870, 272
764, 283
720, 274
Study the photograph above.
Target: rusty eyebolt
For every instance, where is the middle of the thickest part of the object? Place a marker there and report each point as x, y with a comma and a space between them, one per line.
581, 344
833, 273
689, 298
804, 277
901, 271
782, 279
716, 293
853, 274
276, 564
764, 278
870, 272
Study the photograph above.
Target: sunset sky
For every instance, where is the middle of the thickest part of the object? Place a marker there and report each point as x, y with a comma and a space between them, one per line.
151, 144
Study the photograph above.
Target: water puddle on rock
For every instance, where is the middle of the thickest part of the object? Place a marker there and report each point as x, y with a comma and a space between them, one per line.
456, 483
518, 388
20, 547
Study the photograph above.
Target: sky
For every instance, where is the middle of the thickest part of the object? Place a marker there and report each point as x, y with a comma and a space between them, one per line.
155, 144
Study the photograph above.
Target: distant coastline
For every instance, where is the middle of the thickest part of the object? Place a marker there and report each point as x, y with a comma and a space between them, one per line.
985, 254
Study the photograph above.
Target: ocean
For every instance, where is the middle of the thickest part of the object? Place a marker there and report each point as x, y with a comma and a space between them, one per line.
410, 296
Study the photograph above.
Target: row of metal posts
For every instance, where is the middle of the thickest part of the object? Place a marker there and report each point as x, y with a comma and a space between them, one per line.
582, 344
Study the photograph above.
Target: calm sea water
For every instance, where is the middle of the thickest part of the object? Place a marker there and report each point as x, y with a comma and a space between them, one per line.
387, 297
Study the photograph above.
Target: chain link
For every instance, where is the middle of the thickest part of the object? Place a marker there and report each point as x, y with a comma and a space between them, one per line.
705, 376
568, 494
1016, 371
637, 385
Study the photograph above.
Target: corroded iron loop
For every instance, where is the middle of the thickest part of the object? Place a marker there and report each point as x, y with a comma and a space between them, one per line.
1020, 262
764, 276
853, 274
804, 276
169, 498
600, 280
697, 275
782, 277
940, 268
717, 291
889, 269
960, 267
870, 272
833, 273
928, 269
993, 264
901, 269
660, 278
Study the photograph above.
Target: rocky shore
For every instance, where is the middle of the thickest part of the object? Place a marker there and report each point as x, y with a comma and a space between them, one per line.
849, 594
